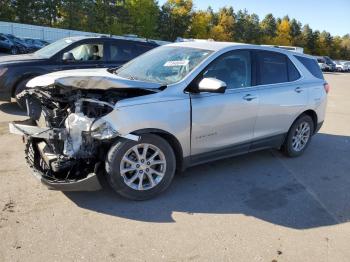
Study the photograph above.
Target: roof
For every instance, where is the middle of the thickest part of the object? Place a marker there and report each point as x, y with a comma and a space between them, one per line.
128, 38
208, 45
217, 46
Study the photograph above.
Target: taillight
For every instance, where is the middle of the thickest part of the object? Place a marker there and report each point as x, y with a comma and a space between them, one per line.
327, 87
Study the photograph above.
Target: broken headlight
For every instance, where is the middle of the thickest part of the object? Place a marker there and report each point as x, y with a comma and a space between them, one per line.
101, 129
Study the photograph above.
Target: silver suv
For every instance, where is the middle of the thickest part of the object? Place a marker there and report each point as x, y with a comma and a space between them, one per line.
176, 106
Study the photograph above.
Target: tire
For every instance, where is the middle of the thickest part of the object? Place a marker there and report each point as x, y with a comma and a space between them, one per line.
21, 86
290, 148
118, 160
14, 50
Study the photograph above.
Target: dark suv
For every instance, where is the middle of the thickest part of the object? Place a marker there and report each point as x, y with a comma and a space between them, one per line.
10, 45
68, 53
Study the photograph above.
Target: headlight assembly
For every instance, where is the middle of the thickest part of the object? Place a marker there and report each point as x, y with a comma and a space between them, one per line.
101, 129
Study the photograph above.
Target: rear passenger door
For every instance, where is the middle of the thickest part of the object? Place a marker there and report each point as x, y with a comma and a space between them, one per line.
282, 97
120, 52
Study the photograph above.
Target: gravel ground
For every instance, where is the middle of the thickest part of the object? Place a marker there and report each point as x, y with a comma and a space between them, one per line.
257, 207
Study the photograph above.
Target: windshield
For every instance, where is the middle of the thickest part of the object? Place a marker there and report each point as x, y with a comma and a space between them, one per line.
52, 49
165, 64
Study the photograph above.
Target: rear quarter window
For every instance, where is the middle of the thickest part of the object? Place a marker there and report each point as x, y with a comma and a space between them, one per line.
272, 68
311, 65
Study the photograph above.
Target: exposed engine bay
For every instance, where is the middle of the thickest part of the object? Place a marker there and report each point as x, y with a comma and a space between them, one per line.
66, 135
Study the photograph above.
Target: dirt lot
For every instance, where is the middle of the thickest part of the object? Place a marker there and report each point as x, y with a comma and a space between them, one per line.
258, 207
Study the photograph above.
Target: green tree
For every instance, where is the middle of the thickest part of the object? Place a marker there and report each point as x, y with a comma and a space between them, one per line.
224, 28
143, 17
7, 12
309, 39
201, 25
268, 28
109, 17
295, 32
247, 28
283, 33
175, 18
73, 14
325, 44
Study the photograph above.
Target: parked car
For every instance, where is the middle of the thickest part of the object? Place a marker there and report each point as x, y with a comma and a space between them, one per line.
330, 63
342, 66
10, 46
326, 64
322, 63
25, 47
35, 44
173, 107
68, 53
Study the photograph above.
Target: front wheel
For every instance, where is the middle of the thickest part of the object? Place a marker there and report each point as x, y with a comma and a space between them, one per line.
14, 50
140, 170
299, 136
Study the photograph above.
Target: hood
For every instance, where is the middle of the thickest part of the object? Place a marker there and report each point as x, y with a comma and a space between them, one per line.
89, 79
12, 59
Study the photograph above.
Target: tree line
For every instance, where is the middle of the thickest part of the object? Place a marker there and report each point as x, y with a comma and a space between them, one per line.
175, 18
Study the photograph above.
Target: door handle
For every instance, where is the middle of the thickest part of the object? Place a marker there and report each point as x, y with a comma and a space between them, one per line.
298, 90
249, 97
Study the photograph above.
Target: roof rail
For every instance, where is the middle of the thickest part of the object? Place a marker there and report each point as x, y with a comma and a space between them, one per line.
181, 39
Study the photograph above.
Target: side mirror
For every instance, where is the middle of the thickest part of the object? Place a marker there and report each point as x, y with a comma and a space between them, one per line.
212, 85
68, 57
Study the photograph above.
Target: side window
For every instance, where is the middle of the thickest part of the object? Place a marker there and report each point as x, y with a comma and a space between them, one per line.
2, 38
293, 73
233, 68
143, 48
122, 51
311, 65
88, 52
272, 68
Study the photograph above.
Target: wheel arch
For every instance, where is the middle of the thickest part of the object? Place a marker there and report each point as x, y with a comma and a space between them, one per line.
311, 113
313, 116
28, 77
171, 139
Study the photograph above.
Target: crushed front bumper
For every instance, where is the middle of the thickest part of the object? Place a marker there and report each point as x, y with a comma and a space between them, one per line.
88, 183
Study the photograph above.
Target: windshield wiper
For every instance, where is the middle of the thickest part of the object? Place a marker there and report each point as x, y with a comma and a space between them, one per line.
113, 70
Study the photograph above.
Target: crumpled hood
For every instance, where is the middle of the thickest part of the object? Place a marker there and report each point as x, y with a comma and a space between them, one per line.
89, 79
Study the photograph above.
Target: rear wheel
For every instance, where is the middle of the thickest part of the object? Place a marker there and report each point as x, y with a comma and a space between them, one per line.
299, 136
140, 170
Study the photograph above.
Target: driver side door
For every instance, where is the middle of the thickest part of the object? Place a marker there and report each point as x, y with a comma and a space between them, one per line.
223, 124
86, 55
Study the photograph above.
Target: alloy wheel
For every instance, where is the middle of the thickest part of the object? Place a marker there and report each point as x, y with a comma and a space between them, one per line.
143, 166
301, 136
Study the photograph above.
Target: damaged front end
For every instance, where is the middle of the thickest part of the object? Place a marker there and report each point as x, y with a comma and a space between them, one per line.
66, 136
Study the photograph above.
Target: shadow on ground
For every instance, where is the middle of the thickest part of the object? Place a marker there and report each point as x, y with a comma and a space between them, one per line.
300, 193
12, 108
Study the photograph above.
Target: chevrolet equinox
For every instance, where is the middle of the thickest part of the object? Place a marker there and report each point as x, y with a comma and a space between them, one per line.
173, 107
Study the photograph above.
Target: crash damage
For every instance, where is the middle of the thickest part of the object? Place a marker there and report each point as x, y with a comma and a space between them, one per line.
66, 135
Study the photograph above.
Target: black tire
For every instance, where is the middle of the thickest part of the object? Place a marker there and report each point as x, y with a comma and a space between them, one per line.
113, 161
287, 147
21, 86
14, 50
